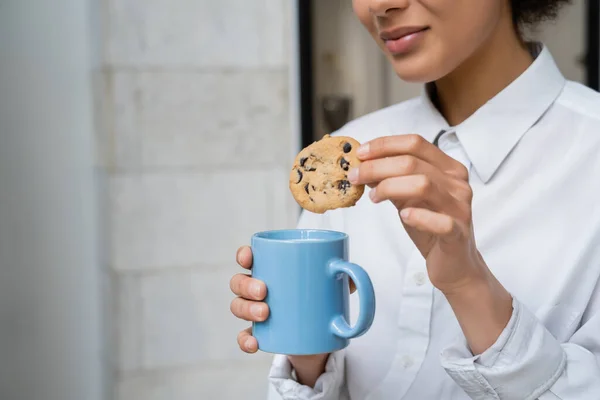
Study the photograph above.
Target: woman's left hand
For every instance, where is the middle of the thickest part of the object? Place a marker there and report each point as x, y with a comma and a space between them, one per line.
433, 197
432, 194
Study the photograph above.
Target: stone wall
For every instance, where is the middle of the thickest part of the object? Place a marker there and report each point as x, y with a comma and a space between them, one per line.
200, 135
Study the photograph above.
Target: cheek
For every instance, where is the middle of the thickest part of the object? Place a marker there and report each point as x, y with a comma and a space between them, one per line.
361, 9
458, 30
462, 25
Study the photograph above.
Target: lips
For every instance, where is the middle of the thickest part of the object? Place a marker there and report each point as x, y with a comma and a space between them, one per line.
399, 33
401, 41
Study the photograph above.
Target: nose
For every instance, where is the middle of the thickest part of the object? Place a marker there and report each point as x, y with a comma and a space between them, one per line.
382, 8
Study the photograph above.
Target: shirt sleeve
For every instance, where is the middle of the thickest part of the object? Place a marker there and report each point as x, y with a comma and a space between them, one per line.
331, 384
527, 362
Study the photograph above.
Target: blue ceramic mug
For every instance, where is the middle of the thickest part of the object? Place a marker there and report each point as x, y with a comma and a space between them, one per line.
306, 273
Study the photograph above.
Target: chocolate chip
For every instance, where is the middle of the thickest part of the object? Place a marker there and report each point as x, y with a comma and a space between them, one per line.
347, 147
309, 169
344, 185
306, 188
313, 187
311, 199
344, 164
299, 175
303, 161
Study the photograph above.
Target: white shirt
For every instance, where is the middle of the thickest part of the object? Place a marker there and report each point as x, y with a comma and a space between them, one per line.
533, 152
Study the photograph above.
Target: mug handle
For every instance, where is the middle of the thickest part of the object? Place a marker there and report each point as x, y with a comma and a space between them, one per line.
366, 296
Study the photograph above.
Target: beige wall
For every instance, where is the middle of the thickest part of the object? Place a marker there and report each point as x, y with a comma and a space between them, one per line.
199, 143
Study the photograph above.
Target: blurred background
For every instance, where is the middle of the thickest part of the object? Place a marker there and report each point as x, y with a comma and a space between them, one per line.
142, 142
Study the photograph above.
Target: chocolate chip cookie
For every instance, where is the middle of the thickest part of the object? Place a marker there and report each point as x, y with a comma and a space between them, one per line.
319, 177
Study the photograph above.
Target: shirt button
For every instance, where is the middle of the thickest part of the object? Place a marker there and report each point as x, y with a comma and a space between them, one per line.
419, 278
407, 361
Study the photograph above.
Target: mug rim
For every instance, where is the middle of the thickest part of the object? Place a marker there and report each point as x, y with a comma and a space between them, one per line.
332, 236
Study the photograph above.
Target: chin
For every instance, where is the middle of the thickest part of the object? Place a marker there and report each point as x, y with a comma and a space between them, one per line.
419, 68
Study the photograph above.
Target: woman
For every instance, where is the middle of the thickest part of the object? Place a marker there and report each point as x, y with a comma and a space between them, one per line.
481, 230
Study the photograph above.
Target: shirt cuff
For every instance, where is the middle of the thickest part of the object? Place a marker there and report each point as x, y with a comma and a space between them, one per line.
327, 387
524, 362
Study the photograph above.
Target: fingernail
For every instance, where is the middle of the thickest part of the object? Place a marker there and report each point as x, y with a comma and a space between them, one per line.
372, 194
256, 310
405, 213
363, 150
237, 255
249, 343
256, 290
353, 175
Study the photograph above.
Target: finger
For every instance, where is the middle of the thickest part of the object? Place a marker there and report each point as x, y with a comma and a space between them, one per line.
247, 287
413, 190
462, 191
373, 171
244, 257
420, 191
415, 145
431, 222
352, 286
249, 310
246, 341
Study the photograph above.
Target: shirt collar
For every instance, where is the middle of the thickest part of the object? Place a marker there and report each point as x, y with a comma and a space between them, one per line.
490, 134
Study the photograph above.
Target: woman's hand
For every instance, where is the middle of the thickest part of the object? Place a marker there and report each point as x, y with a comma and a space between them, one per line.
249, 306
432, 194
433, 197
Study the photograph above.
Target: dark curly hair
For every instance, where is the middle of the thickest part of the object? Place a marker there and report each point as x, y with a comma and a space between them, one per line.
530, 12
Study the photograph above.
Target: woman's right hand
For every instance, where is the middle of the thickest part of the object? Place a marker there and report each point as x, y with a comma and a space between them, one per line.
248, 305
